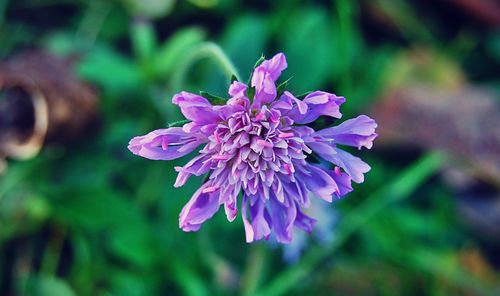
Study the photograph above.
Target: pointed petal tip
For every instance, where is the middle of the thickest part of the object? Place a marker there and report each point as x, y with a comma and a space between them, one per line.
190, 228
283, 240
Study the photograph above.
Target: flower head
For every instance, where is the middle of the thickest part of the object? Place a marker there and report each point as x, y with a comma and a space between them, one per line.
256, 151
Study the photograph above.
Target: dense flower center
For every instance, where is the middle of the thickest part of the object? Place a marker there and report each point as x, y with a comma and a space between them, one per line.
257, 147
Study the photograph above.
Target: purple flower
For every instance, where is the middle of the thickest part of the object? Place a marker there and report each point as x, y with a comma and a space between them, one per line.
257, 144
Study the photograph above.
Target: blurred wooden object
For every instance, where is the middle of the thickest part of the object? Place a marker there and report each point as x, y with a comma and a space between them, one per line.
41, 101
465, 124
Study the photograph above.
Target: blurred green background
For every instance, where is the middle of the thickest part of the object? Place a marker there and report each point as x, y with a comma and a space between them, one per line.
89, 218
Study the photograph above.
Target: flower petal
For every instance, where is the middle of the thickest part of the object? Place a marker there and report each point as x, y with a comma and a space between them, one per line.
343, 181
237, 89
298, 191
196, 166
303, 221
229, 196
318, 103
260, 225
275, 65
319, 182
351, 164
282, 216
248, 227
357, 132
165, 144
303, 131
201, 207
289, 103
322, 147
265, 89
196, 108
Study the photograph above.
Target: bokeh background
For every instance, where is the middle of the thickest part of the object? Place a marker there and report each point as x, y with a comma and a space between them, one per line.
81, 215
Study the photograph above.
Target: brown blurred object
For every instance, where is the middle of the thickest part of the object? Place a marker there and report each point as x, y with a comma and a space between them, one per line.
41, 100
464, 122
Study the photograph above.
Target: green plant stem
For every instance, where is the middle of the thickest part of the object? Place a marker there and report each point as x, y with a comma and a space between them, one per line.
205, 50
143, 39
400, 188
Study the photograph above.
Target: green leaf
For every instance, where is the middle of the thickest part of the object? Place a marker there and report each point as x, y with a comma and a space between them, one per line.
214, 100
132, 244
102, 209
129, 283
111, 70
90, 208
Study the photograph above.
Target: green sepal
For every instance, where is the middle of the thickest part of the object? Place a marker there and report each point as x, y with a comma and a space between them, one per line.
233, 78
214, 100
302, 96
280, 89
178, 123
250, 93
259, 61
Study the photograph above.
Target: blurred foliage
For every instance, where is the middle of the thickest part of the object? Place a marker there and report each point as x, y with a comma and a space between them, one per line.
89, 218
